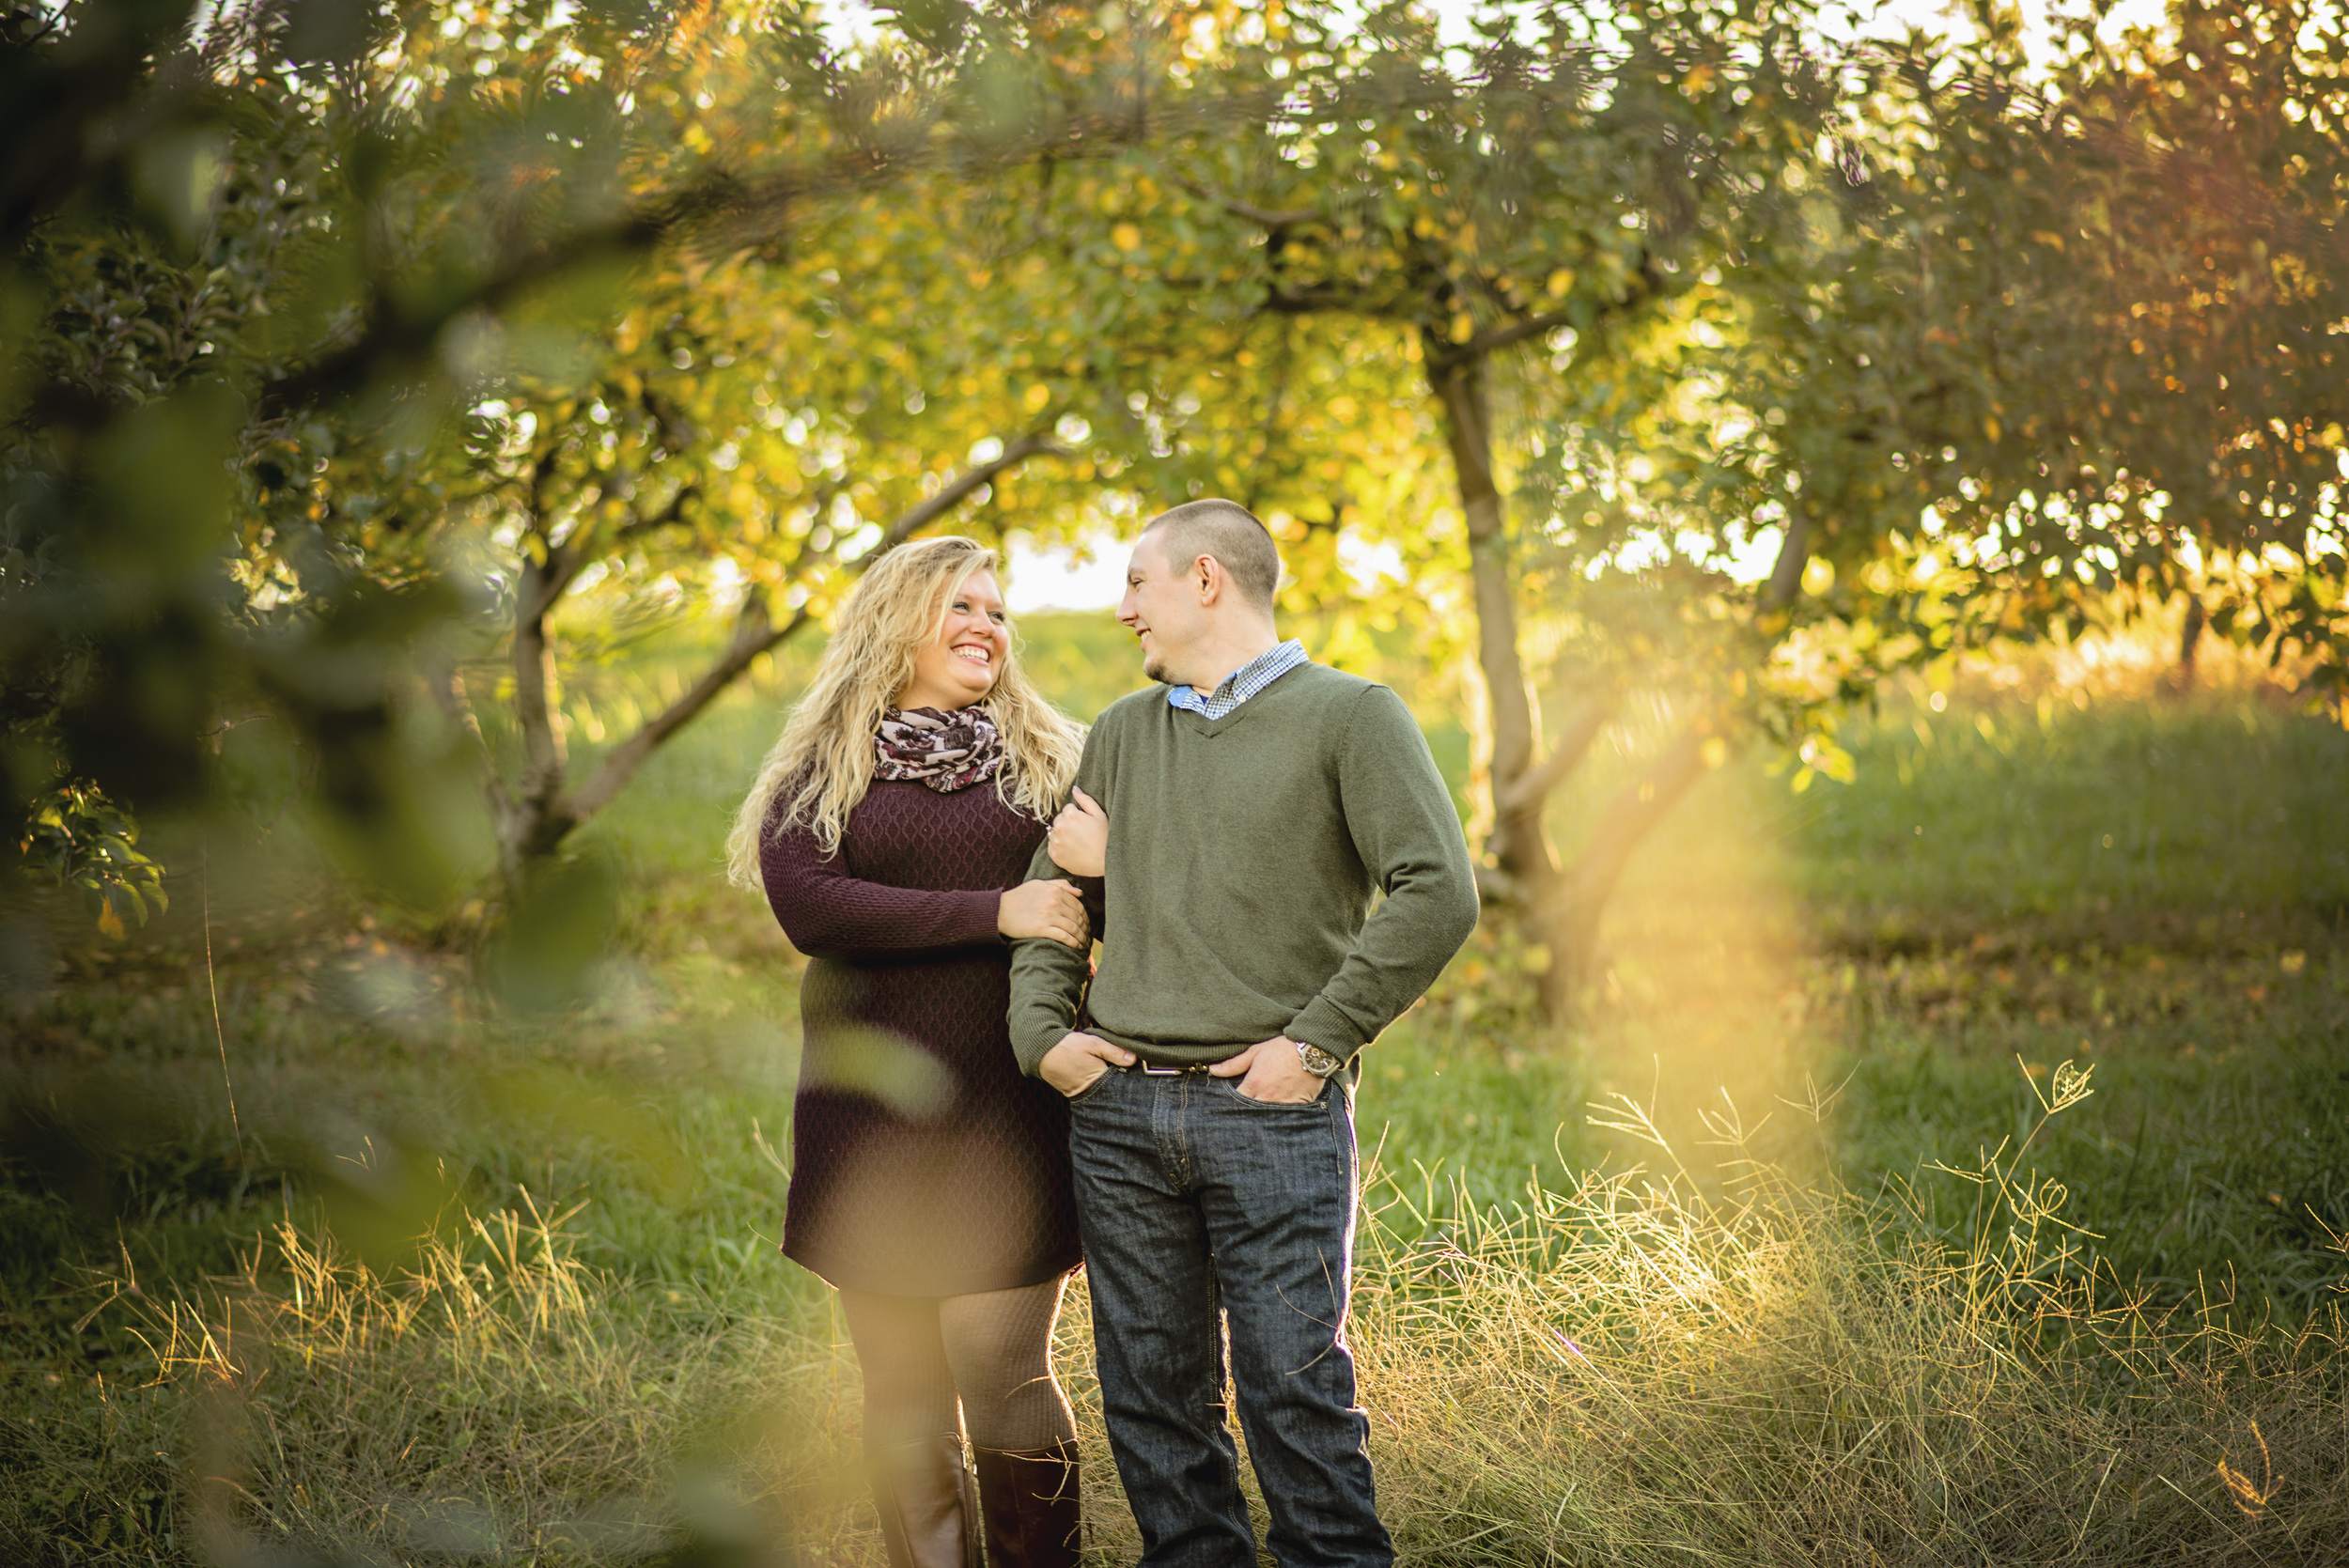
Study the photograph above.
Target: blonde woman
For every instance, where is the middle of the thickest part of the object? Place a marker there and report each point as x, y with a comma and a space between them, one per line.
891, 827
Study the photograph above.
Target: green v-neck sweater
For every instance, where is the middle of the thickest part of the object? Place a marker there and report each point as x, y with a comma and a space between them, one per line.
1244, 856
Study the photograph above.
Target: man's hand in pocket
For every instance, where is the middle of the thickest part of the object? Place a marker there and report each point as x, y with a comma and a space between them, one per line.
1074, 1064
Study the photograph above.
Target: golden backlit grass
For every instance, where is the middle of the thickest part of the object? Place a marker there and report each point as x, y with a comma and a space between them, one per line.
1634, 1372
1628, 1372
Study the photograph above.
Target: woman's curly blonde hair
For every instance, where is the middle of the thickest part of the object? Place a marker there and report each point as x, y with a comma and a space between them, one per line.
824, 760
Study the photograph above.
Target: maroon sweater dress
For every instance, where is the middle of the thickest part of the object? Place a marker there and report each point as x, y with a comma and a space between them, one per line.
922, 1163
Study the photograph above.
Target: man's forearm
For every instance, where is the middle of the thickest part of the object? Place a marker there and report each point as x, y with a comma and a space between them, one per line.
1402, 824
1404, 946
1048, 978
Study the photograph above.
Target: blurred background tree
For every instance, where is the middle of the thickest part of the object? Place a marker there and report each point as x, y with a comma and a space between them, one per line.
418, 422
2126, 292
255, 253
1690, 369
1373, 316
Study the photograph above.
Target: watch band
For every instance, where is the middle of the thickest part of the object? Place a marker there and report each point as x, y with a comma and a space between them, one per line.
1318, 1061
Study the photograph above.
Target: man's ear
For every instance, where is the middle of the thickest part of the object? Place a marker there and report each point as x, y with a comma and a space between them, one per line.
1208, 572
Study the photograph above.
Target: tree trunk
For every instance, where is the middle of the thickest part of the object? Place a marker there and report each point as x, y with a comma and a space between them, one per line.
2189, 642
1556, 910
1636, 812
527, 816
533, 818
1560, 906
1520, 850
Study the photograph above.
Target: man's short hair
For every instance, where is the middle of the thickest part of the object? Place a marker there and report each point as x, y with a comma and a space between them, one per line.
1230, 533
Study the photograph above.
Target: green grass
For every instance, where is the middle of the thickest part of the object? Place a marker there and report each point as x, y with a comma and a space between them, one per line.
2113, 819
1817, 1335
2157, 888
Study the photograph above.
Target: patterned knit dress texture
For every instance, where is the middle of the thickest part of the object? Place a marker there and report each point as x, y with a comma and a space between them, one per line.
922, 1162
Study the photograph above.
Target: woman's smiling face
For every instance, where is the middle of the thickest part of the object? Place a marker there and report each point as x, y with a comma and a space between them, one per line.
958, 666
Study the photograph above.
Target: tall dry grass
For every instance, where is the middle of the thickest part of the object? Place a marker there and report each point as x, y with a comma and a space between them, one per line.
498, 1400
1638, 1371
1646, 1368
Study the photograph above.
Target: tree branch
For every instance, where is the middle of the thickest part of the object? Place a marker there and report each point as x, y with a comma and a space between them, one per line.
721, 208
1496, 887
754, 635
920, 515
1533, 326
1321, 297
1268, 216
1623, 827
672, 512
447, 687
1794, 553
1535, 785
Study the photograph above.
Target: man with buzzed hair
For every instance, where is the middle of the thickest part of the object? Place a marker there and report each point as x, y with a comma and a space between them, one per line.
1231, 533
1256, 807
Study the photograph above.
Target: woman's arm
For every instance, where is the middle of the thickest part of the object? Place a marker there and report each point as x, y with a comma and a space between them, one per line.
830, 914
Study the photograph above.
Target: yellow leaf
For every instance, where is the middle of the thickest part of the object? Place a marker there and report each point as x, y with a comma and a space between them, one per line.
1462, 328
1991, 429
1037, 395
108, 922
1560, 281
1126, 237
1715, 752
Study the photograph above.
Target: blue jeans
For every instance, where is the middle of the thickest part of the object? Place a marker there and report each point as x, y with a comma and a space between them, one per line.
1198, 1203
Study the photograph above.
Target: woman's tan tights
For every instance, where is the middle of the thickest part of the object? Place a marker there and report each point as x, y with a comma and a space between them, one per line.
979, 1365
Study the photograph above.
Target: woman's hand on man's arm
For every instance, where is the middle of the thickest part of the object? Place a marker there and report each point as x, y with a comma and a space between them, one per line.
1051, 910
1080, 841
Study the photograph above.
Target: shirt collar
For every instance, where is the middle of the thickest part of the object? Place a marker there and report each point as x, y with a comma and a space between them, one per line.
1242, 683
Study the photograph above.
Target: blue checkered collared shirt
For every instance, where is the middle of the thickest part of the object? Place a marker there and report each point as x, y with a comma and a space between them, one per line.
1241, 683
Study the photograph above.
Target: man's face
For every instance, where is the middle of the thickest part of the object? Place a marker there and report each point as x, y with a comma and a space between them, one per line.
1161, 608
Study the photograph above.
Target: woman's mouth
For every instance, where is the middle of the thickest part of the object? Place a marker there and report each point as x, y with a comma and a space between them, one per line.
976, 653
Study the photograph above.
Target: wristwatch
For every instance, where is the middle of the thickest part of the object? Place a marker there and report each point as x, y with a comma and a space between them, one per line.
1318, 1061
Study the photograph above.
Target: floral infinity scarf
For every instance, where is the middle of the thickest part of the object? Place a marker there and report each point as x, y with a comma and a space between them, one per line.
945, 751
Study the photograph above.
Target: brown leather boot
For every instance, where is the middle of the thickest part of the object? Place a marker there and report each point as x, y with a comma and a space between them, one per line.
928, 1504
1030, 1502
